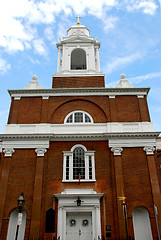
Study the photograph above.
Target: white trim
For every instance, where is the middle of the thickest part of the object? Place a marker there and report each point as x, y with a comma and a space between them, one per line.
28, 144
158, 145
149, 150
117, 151
80, 128
78, 145
40, 152
17, 98
8, 152
87, 154
117, 143
78, 111
79, 92
67, 203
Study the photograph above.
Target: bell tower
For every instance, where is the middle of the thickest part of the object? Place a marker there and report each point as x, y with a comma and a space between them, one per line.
78, 56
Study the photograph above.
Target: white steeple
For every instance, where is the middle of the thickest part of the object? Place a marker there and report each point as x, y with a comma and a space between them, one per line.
78, 53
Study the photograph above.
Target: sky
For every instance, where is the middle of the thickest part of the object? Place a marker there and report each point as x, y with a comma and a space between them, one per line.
129, 32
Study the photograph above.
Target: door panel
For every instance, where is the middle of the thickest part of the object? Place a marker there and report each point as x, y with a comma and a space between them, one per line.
79, 226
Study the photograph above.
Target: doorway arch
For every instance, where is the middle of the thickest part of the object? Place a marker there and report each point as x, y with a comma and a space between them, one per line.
13, 225
141, 224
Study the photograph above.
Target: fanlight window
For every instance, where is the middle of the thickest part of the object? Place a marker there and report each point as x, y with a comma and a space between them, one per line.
78, 117
78, 59
78, 164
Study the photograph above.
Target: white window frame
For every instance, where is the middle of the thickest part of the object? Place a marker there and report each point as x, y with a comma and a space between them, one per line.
69, 154
78, 111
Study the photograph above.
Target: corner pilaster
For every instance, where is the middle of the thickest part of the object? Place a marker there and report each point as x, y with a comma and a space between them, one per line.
4, 180
154, 181
37, 198
119, 190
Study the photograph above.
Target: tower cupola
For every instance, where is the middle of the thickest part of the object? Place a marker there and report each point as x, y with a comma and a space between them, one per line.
78, 53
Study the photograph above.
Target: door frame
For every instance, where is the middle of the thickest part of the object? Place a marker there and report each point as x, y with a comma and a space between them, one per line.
67, 203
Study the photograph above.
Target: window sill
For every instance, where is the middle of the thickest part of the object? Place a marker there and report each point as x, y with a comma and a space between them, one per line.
81, 181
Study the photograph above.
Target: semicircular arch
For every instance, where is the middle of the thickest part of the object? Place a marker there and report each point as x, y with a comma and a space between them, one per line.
96, 112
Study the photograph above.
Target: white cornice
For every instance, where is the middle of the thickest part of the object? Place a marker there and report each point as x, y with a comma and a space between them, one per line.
30, 141
77, 128
77, 92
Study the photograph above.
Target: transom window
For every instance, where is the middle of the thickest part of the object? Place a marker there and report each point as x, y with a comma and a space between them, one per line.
78, 117
78, 164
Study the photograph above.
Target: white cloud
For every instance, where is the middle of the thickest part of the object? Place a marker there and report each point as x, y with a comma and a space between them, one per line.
19, 19
40, 47
49, 34
146, 6
142, 78
120, 62
110, 23
4, 66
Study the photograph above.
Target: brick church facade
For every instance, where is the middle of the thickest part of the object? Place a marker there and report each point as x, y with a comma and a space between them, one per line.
86, 157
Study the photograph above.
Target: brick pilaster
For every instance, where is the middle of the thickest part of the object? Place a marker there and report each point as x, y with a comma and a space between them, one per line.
120, 191
37, 197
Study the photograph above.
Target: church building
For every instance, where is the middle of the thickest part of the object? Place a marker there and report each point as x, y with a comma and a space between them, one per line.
81, 160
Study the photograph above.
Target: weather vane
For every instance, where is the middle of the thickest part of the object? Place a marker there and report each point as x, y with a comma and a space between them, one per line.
78, 20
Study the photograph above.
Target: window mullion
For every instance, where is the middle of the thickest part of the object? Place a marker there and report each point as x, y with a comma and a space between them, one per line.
86, 167
64, 167
93, 168
70, 167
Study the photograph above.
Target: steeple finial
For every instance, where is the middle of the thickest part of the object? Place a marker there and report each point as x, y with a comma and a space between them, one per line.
78, 23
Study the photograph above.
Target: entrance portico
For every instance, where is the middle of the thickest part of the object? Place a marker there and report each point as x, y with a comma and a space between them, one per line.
79, 222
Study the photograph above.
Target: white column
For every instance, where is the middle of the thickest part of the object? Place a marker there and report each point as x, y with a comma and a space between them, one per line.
60, 222
59, 55
98, 60
98, 223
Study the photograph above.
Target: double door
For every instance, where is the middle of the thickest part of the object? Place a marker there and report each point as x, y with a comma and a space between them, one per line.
79, 226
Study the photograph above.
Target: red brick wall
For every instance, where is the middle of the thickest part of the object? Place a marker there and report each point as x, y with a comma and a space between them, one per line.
135, 171
36, 110
78, 82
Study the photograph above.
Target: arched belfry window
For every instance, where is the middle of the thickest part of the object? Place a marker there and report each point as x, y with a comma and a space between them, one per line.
78, 117
78, 164
78, 59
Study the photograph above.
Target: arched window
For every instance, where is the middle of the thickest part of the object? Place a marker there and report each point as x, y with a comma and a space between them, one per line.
78, 117
13, 225
50, 221
141, 224
78, 164
78, 59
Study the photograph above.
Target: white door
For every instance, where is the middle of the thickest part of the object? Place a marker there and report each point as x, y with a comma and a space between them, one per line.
79, 226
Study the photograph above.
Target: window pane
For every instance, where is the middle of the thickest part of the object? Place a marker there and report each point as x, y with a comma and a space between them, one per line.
78, 117
90, 167
87, 119
70, 119
78, 163
67, 168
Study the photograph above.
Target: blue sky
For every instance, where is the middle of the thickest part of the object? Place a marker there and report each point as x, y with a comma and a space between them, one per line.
129, 32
